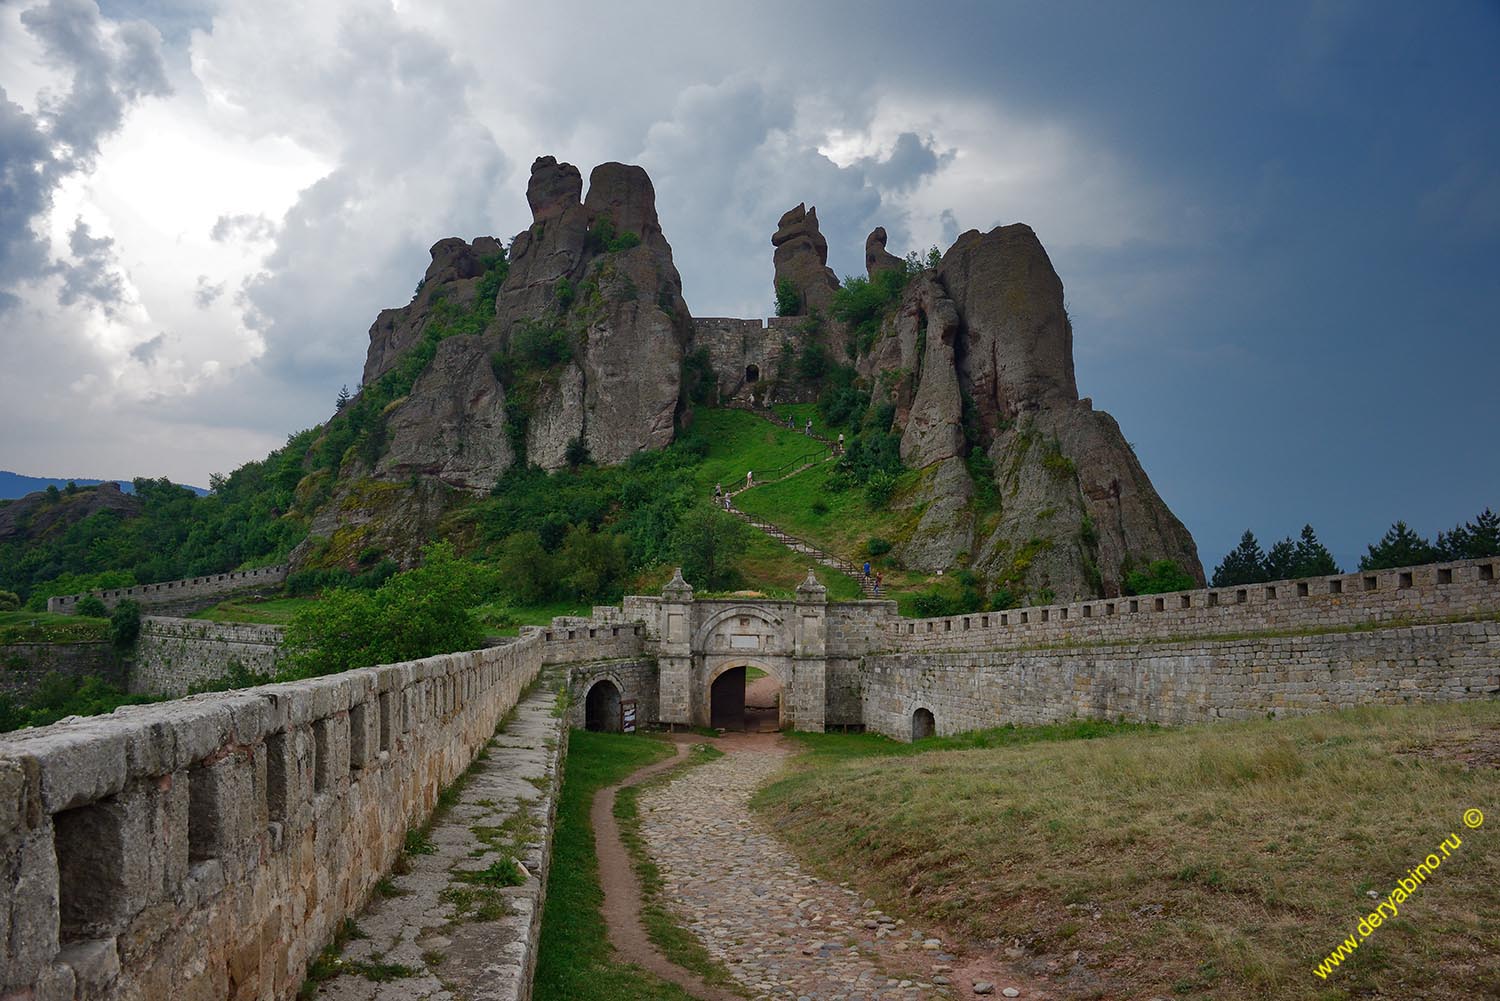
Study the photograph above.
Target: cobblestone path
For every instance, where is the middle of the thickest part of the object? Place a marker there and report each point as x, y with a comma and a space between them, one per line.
780, 931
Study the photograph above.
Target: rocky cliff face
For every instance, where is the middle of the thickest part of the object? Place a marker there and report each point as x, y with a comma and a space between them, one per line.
37, 515
802, 259
586, 339
986, 390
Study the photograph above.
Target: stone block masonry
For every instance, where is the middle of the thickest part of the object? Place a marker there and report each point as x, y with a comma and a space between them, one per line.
24, 665
173, 655
180, 597
207, 848
1187, 682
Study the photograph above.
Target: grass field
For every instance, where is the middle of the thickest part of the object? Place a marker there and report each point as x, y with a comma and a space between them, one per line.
49, 627
1218, 862
739, 442
269, 611
575, 959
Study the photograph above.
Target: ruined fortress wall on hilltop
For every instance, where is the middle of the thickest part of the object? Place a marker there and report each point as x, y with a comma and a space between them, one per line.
746, 355
209, 847
180, 596
172, 655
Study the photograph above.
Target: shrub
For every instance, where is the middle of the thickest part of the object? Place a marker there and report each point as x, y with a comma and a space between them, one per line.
9, 601
819, 508
788, 302
879, 489
603, 239
577, 453
1159, 577
125, 624
91, 606
876, 546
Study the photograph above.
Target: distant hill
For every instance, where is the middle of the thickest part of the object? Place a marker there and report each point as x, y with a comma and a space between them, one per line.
14, 485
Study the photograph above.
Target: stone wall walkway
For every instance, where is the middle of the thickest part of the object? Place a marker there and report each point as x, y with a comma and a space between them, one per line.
782, 932
445, 936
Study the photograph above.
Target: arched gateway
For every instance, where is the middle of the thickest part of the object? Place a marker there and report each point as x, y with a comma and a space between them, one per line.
706, 645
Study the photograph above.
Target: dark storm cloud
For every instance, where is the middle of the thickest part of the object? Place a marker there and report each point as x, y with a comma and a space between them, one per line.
89, 273
108, 73
25, 193
912, 159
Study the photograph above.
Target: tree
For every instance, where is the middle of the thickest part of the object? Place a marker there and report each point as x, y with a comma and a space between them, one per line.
1311, 558
125, 624
1159, 577
706, 544
1244, 564
1399, 547
9, 601
1472, 541
343, 399
416, 613
788, 301
1281, 561
577, 453
591, 563
91, 606
525, 569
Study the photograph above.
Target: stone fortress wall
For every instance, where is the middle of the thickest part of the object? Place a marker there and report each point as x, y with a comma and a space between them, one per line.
180, 596
172, 655
208, 847
746, 355
1428, 633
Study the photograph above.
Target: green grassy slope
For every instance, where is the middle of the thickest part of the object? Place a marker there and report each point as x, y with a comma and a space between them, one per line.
1220, 861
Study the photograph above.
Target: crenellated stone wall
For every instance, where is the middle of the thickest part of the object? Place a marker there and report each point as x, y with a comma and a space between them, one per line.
206, 848
180, 597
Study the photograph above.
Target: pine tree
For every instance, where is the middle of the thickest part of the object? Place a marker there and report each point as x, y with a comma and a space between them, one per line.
1312, 558
1244, 564
1400, 547
1281, 561
343, 400
1475, 540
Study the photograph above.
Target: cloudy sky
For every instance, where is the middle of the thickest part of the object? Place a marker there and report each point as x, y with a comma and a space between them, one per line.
1279, 227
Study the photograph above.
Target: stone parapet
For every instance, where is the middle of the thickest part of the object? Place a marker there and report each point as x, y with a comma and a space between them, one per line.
208, 847
1436, 592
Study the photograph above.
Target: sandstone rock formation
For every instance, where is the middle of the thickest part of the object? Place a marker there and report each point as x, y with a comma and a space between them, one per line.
602, 271
802, 259
877, 258
984, 351
452, 275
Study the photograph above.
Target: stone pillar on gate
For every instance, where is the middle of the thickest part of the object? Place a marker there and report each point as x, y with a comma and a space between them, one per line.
810, 655
675, 651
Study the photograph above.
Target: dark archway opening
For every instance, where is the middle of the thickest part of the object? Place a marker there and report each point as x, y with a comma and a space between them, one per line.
752, 373
726, 700
601, 708
922, 724
745, 698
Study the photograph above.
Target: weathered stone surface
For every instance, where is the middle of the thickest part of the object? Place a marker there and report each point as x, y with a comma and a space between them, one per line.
934, 428
452, 427
877, 258
946, 527
1018, 351
452, 276
802, 258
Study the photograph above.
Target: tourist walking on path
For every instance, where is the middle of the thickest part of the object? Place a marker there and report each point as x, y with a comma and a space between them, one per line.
729, 502
841, 443
808, 430
878, 578
749, 478
718, 491
867, 568
791, 422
